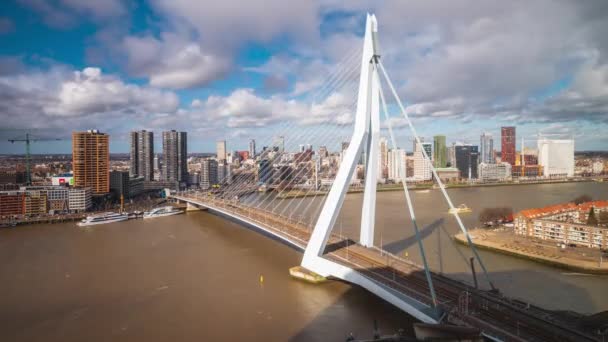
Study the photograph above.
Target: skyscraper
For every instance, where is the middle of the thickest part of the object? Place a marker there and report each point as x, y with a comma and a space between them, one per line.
396, 164
279, 144
221, 150
208, 173
556, 157
422, 166
252, 149
175, 156
142, 155
507, 144
440, 156
91, 160
383, 160
486, 145
466, 160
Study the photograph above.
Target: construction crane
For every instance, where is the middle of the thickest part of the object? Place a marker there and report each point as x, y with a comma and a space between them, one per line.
27, 140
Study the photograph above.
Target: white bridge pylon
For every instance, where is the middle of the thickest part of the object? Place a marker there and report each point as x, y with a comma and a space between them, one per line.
366, 136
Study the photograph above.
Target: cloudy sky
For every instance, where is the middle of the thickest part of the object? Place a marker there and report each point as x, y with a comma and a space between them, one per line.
249, 69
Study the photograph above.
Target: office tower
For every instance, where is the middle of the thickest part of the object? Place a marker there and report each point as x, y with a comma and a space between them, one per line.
279, 144
486, 149
221, 150
252, 148
222, 173
422, 166
264, 171
175, 156
323, 153
208, 173
507, 144
142, 155
396, 164
556, 157
440, 156
383, 160
91, 160
466, 161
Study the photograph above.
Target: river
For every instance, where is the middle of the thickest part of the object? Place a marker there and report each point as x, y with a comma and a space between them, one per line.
199, 277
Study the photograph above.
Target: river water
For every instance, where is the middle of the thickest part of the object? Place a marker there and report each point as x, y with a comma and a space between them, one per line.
198, 277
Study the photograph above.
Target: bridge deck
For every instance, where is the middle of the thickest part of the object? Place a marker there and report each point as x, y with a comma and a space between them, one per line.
495, 315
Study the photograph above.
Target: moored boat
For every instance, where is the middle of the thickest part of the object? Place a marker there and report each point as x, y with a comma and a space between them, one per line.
103, 218
162, 211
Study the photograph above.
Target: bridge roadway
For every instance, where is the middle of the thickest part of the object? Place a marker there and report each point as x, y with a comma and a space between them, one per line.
498, 317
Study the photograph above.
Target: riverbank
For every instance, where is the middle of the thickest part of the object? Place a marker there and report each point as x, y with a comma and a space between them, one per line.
577, 259
427, 186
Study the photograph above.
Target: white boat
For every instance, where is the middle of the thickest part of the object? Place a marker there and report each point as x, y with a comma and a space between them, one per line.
103, 218
460, 209
162, 211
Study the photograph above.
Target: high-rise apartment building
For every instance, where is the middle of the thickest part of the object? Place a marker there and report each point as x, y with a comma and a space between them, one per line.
486, 149
440, 156
383, 160
396, 164
208, 173
91, 160
556, 157
175, 156
142, 155
252, 149
221, 150
507, 144
422, 166
467, 157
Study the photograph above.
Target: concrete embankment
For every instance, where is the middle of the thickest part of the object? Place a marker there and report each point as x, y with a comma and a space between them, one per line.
534, 251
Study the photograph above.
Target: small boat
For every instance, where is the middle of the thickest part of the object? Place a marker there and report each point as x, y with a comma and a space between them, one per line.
460, 209
103, 218
426, 191
162, 211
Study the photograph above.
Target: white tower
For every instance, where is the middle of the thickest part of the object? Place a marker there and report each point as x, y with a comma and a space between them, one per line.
366, 135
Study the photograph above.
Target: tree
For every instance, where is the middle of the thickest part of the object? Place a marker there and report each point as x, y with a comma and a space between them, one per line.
582, 199
592, 220
493, 215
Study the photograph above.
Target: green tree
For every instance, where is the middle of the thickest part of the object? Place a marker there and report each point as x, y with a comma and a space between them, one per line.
592, 220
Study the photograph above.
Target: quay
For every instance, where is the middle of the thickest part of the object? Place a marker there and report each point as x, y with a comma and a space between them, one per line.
584, 260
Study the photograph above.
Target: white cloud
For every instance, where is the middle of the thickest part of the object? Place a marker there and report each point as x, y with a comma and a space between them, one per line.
173, 61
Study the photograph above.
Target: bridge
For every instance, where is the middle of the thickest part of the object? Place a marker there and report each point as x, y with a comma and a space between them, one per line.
416, 289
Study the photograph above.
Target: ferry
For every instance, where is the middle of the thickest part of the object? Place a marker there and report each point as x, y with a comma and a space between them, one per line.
162, 211
103, 218
460, 209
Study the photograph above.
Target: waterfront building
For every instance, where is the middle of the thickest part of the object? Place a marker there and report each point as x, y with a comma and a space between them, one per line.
79, 199
221, 150
12, 203
91, 160
208, 173
507, 144
448, 174
264, 171
556, 157
194, 179
440, 151
122, 183
494, 172
422, 165
175, 160
527, 170
466, 160
252, 151
564, 223
383, 160
142, 155
57, 197
396, 164
486, 149
35, 203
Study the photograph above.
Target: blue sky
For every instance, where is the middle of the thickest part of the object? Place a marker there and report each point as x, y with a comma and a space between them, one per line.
239, 70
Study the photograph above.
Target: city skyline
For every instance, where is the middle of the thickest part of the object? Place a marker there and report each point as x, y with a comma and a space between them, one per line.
251, 81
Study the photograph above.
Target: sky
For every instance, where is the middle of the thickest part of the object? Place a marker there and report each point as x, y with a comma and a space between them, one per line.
240, 70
